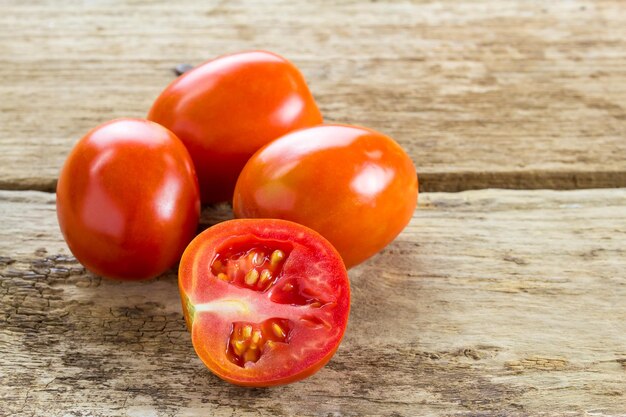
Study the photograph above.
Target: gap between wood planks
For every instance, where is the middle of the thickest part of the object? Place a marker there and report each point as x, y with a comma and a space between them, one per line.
444, 181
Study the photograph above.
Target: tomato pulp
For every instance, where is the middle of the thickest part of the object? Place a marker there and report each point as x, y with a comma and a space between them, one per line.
226, 109
128, 200
267, 301
356, 187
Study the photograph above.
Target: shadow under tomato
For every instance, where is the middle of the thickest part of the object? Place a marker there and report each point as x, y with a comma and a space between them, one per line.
214, 214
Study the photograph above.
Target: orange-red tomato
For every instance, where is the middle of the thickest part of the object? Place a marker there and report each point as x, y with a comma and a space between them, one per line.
226, 109
355, 186
267, 301
128, 200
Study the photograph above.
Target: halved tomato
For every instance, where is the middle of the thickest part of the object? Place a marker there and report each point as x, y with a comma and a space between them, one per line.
267, 301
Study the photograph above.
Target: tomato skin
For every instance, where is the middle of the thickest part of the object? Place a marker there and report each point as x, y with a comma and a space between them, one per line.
311, 258
226, 109
356, 187
128, 200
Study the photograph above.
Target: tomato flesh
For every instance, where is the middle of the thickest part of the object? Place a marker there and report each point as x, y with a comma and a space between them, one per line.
267, 301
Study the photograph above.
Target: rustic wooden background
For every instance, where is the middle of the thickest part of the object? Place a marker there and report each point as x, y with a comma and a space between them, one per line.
492, 302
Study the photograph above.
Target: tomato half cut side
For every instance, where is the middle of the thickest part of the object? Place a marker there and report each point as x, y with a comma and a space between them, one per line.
267, 301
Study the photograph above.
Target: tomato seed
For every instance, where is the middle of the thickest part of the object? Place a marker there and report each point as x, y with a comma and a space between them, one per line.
256, 337
265, 276
217, 265
252, 276
257, 258
239, 346
251, 355
278, 331
247, 331
276, 257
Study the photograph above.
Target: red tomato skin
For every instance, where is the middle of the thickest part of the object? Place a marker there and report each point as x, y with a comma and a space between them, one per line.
195, 284
128, 200
355, 186
226, 109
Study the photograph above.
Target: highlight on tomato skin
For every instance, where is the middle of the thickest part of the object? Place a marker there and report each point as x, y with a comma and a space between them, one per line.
127, 200
356, 187
227, 108
266, 301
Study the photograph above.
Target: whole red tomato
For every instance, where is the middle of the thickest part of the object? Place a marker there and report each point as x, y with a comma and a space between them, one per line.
226, 109
355, 186
127, 199
267, 301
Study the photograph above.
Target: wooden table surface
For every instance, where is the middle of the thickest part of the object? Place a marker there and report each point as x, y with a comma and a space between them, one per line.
492, 302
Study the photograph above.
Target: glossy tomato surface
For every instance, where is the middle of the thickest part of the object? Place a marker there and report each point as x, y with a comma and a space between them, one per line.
128, 200
355, 186
267, 301
226, 109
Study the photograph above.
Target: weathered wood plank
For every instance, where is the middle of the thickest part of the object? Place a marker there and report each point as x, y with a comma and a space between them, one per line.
491, 302
511, 94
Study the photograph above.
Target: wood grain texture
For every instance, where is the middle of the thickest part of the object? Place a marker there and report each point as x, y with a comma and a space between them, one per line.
490, 303
487, 93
